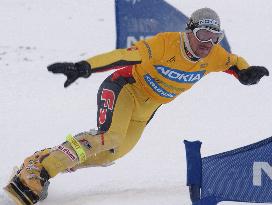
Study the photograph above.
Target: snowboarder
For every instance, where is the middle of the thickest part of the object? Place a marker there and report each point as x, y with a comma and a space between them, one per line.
150, 73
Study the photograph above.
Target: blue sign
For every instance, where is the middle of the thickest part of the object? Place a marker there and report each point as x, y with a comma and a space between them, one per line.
243, 174
140, 19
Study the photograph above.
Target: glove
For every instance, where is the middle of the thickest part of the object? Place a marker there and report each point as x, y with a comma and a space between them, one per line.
72, 70
252, 75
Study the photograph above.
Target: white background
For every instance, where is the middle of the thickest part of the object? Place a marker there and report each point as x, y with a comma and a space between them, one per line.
37, 112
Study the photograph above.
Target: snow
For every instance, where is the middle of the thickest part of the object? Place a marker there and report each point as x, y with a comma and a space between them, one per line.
37, 112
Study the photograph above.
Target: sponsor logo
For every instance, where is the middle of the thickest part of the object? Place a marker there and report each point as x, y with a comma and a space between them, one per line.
157, 88
108, 99
172, 60
170, 86
102, 116
258, 169
228, 61
180, 76
75, 143
85, 143
148, 50
203, 65
67, 152
208, 22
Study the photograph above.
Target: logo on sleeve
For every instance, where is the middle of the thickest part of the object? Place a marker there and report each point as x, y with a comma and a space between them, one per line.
180, 76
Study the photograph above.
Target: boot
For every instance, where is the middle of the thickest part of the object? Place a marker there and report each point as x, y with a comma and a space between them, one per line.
30, 184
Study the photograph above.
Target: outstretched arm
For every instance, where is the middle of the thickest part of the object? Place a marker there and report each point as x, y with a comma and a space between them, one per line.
246, 74
114, 59
99, 63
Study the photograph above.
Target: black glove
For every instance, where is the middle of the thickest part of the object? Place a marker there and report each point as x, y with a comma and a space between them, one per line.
252, 75
72, 70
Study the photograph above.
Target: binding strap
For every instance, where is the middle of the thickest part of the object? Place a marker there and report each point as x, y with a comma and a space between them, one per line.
77, 148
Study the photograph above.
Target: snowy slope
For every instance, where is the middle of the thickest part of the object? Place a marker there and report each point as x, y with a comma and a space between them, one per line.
37, 112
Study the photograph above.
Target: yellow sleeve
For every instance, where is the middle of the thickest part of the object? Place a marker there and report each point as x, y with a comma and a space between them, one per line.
241, 63
115, 58
237, 63
152, 49
227, 60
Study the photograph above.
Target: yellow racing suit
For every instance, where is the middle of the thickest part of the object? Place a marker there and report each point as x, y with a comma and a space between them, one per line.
152, 72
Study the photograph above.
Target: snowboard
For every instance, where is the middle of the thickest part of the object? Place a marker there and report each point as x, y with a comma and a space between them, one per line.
13, 191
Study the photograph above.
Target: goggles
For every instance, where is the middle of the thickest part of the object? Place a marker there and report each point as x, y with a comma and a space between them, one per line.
205, 35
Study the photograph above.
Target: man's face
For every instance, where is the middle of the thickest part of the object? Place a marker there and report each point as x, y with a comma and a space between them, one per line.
201, 49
